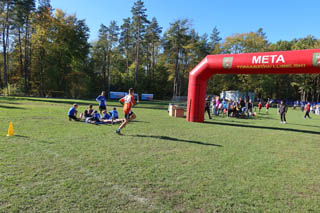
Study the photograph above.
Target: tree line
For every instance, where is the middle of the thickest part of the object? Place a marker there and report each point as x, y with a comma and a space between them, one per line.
46, 52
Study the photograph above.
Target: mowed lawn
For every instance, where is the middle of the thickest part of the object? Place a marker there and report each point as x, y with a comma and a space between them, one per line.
159, 164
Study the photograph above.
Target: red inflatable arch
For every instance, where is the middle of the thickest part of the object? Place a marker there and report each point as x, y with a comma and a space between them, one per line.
284, 62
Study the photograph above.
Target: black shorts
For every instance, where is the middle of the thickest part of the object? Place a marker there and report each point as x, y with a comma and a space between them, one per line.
102, 108
127, 116
73, 117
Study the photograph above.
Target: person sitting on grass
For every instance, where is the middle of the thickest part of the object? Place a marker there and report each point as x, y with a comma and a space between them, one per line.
96, 116
87, 113
72, 113
108, 119
90, 110
114, 114
106, 115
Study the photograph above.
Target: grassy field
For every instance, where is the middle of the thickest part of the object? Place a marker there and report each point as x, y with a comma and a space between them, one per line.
159, 164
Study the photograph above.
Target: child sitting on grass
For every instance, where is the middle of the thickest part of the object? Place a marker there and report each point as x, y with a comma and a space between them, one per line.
106, 116
90, 110
87, 113
114, 114
108, 119
72, 113
96, 116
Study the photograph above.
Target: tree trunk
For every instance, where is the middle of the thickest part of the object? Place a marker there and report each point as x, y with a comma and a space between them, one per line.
20, 52
127, 56
4, 57
137, 56
109, 75
104, 67
153, 60
42, 56
7, 45
176, 77
26, 58
5, 36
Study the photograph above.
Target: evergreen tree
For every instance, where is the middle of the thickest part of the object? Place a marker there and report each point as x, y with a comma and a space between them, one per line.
125, 41
112, 39
139, 23
215, 41
153, 38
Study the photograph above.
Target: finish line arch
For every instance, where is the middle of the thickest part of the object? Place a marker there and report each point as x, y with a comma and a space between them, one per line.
283, 62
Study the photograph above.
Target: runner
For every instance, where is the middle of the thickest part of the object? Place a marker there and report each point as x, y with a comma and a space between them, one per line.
128, 102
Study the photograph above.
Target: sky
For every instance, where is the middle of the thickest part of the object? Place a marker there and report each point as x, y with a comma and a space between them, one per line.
280, 19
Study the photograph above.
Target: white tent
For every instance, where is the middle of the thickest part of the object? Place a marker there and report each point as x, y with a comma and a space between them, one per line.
236, 95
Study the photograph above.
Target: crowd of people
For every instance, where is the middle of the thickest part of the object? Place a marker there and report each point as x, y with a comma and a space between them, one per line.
216, 106
243, 108
92, 116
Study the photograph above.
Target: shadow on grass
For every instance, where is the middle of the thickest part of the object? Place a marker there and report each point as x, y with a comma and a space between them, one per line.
306, 125
264, 127
11, 107
150, 107
137, 121
175, 139
21, 136
8, 102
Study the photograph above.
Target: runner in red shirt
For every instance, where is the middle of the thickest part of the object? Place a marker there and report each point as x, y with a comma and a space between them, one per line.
307, 108
260, 106
267, 107
128, 102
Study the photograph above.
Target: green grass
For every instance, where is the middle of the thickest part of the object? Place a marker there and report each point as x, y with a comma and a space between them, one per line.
159, 164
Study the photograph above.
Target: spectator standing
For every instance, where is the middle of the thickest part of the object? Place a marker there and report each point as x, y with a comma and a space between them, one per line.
102, 102
260, 106
207, 107
282, 111
307, 109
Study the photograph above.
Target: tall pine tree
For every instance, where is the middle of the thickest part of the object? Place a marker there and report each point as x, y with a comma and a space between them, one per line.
139, 23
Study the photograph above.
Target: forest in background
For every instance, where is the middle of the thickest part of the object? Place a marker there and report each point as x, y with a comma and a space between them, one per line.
47, 53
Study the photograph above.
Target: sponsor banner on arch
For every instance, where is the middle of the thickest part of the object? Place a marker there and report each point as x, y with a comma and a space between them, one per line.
316, 59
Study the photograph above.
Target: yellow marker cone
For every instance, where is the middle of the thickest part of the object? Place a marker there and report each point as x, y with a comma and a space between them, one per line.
10, 130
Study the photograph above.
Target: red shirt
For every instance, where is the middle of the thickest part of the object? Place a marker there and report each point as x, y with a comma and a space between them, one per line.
308, 107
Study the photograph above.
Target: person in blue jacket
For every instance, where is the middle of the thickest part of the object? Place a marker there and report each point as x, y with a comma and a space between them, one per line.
96, 116
72, 113
102, 102
114, 114
106, 115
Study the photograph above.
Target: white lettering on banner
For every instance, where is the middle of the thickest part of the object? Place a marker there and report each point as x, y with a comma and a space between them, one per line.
280, 58
266, 59
256, 60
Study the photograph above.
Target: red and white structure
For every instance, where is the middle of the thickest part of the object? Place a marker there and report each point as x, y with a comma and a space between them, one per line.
284, 62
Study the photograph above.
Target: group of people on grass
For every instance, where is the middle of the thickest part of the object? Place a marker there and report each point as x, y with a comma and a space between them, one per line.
244, 108
112, 117
217, 106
